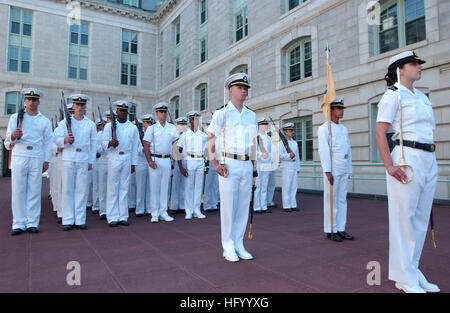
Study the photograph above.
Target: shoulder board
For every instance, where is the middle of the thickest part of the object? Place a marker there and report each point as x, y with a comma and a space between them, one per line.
393, 88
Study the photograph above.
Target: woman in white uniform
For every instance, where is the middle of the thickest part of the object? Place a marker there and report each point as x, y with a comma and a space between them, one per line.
409, 203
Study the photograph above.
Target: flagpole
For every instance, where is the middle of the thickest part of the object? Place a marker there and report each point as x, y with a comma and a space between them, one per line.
329, 144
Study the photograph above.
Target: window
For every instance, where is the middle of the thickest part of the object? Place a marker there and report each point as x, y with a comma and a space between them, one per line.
243, 68
175, 107
177, 33
203, 11
12, 102
132, 111
78, 51
293, 3
303, 134
299, 60
20, 43
402, 22
203, 50
133, 3
241, 25
202, 97
129, 58
177, 67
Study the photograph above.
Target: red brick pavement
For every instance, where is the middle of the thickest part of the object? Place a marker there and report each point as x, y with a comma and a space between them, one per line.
290, 250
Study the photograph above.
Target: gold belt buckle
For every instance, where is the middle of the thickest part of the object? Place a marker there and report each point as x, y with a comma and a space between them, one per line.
29, 147
432, 147
163, 156
242, 157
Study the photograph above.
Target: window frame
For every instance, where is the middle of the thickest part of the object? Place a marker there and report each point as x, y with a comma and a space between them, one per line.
18, 98
202, 90
287, 4
401, 26
201, 41
300, 125
79, 46
243, 12
23, 38
130, 55
203, 8
298, 44
175, 106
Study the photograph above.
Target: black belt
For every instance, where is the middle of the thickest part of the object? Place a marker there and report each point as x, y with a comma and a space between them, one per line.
195, 156
244, 157
161, 156
418, 145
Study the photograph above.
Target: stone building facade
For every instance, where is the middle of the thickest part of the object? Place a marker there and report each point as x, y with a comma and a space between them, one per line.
186, 48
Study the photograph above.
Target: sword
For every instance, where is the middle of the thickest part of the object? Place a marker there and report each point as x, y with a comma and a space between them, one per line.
433, 242
66, 114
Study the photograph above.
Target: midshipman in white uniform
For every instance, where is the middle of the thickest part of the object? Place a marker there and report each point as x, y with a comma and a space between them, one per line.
410, 202
78, 158
122, 159
32, 142
290, 168
192, 144
237, 126
158, 141
263, 167
336, 172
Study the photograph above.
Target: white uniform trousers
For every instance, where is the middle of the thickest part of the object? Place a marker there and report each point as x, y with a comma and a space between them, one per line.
102, 175
57, 188
117, 190
90, 188
210, 198
177, 200
132, 191
51, 175
235, 195
271, 186
194, 185
340, 186
142, 188
26, 187
159, 185
409, 212
260, 199
289, 187
74, 192
95, 187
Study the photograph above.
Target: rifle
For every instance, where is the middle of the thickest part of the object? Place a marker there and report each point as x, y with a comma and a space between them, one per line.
53, 124
101, 118
20, 112
61, 114
66, 114
141, 133
93, 117
113, 121
282, 137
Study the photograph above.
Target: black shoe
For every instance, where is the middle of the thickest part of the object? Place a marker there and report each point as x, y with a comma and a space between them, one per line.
103, 217
17, 231
33, 230
94, 211
287, 210
257, 212
124, 223
88, 208
148, 214
295, 209
67, 227
267, 211
140, 215
83, 226
345, 236
334, 237
59, 220
113, 224
131, 209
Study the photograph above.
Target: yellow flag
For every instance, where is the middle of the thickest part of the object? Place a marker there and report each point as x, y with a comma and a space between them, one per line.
330, 93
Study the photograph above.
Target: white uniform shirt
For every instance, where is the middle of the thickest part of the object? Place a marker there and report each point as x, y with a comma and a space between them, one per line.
83, 148
340, 147
286, 161
103, 159
161, 138
37, 133
241, 128
417, 114
192, 143
128, 137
